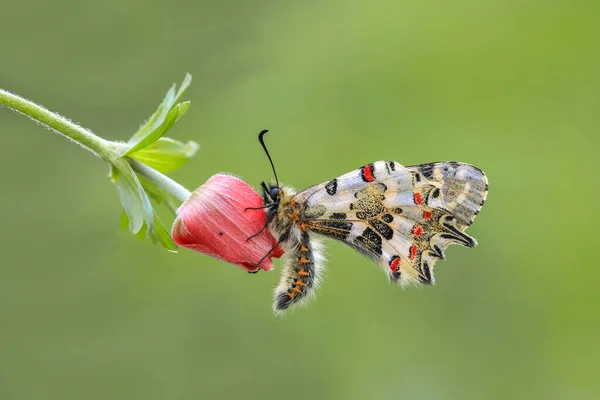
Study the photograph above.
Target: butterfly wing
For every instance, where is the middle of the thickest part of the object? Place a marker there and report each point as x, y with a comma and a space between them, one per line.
464, 188
402, 217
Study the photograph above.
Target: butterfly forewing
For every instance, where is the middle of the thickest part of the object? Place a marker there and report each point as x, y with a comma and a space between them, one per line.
464, 187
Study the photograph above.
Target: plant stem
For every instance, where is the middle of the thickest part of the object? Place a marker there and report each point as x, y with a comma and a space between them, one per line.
108, 151
160, 180
85, 138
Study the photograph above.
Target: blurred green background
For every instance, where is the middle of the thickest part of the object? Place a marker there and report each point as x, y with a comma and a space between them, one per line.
88, 312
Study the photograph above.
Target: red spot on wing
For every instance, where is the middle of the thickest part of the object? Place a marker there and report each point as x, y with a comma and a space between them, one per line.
395, 264
418, 199
417, 230
426, 214
368, 173
413, 251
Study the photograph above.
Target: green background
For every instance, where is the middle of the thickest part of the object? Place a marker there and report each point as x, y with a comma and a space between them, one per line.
88, 312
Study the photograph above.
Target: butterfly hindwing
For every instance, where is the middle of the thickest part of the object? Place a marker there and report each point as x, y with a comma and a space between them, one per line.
403, 217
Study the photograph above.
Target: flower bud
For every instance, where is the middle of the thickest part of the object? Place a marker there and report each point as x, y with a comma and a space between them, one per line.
215, 221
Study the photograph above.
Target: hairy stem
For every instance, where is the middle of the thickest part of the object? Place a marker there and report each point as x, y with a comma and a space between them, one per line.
85, 138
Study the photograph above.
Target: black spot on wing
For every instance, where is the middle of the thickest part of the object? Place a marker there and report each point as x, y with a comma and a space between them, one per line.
382, 187
463, 239
332, 187
371, 240
338, 216
382, 228
425, 276
364, 214
436, 251
456, 235
387, 218
427, 170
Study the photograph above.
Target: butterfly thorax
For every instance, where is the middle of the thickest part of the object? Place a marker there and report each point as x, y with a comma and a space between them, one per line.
283, 215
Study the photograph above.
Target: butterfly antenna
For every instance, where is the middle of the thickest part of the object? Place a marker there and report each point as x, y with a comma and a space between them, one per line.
262, 142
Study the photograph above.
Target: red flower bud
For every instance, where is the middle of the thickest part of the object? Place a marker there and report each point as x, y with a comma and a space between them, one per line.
214, 221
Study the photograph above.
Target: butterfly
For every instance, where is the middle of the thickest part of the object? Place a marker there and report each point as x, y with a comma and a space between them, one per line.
403, 218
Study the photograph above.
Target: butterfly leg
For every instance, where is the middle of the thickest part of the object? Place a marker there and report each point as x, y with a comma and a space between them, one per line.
300, 274
256, 267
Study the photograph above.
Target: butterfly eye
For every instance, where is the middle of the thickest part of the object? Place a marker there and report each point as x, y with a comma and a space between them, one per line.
274, 193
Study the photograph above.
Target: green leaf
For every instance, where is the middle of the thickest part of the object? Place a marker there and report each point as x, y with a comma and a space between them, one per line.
130, 201
159, 234
183, 107
167, 114
156, 133
156, 118
166, 154
124, 221
133, 198
187, 81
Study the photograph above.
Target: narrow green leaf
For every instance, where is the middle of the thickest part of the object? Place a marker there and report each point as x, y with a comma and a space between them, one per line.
183, 107
134, 199
157, 118
166, 154
149, 211
163, 111
187, 81
143, 233
130, 200
124, 221
157, 133
161, 235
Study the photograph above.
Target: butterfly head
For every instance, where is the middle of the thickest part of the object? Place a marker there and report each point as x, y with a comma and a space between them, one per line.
274, 193
271, 194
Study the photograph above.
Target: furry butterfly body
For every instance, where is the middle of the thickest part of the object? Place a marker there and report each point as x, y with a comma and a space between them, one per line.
401, 217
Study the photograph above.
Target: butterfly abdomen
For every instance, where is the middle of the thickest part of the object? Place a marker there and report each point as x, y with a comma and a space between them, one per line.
300, 274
